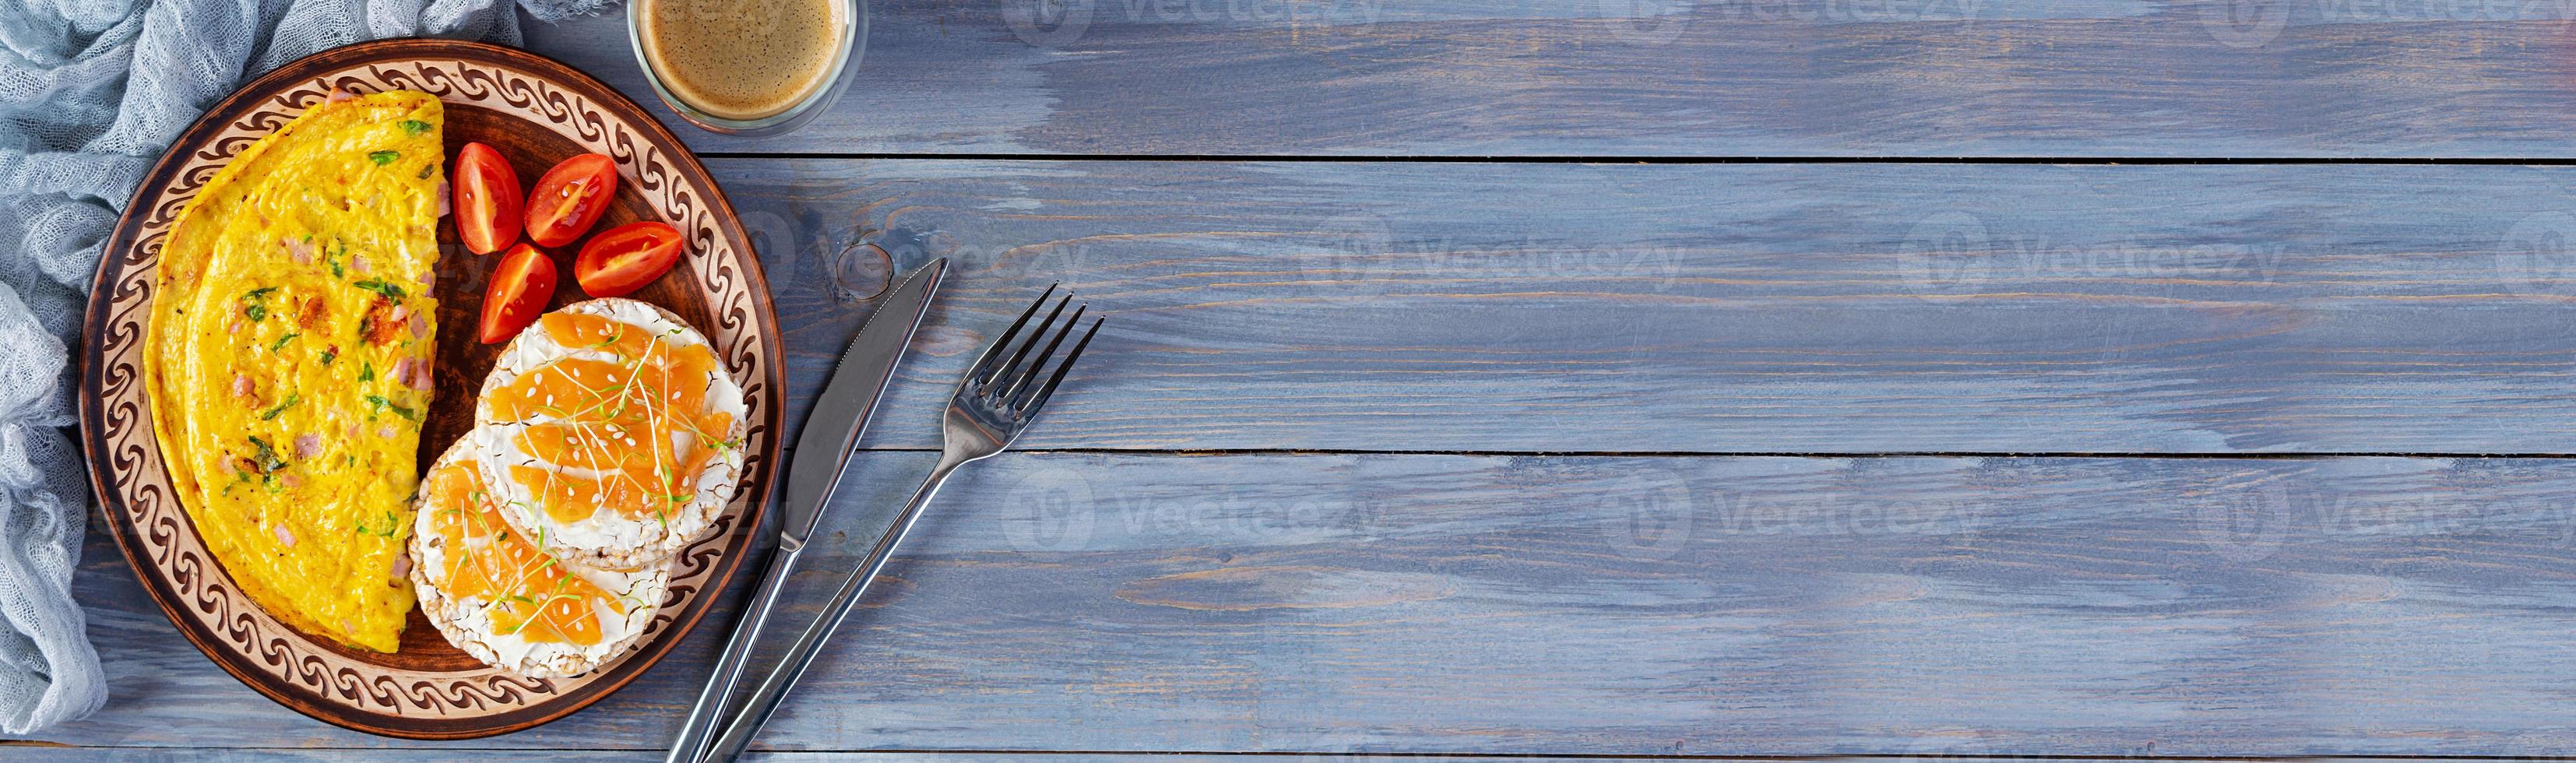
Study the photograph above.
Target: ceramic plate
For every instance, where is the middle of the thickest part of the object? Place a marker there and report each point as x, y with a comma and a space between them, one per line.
536, 112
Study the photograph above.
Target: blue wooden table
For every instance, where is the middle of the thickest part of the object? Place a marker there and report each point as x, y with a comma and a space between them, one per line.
1634, 379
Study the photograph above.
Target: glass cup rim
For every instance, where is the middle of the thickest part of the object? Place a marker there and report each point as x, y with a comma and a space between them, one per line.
854, 36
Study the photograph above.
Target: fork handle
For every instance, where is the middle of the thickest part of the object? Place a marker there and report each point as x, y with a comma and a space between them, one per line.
764, 700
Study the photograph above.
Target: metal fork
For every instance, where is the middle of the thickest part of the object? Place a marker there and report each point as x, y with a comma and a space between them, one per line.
990, 408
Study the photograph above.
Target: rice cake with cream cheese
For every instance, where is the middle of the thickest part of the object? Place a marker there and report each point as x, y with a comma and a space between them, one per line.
494, 595
612, 432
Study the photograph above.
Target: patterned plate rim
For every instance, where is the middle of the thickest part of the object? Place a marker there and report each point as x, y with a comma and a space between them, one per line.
113, 321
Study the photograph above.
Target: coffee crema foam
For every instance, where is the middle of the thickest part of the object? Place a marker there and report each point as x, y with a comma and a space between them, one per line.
742, 59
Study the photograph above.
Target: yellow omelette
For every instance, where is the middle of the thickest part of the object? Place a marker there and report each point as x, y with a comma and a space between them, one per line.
289, 360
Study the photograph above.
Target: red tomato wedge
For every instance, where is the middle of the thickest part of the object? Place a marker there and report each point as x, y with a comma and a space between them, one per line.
570, 198
487, 199
625, 258
520, 288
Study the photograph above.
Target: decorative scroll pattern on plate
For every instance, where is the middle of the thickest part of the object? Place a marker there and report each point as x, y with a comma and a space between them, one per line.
141, 491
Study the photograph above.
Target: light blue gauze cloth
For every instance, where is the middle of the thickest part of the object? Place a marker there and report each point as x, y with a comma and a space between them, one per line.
91, 93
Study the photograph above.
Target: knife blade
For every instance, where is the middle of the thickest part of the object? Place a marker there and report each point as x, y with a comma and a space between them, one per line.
832, 430
841, 411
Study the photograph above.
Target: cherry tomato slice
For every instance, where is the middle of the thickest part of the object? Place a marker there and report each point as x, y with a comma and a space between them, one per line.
520, 288
625, 258
487, 199
570, 198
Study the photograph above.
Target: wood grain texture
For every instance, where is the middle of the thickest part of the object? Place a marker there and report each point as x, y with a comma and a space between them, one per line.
1843, 308
200, 755
1625, 605
60, 755
1356, 604
2127, 78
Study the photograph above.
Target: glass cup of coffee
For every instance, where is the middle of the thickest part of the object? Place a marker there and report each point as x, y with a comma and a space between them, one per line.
748, 67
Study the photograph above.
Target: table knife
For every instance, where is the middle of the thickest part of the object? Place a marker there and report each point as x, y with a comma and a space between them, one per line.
822, 451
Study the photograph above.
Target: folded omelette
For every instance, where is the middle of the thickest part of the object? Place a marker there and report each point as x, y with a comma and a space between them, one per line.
289, 365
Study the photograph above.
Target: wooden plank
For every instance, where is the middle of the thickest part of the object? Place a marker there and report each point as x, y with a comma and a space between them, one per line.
2095, 78
1629, 605
345, 755
1843, 308
432, 753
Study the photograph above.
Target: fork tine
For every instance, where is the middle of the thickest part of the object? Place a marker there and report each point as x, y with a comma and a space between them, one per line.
1004, 373
1049, 390
1011, 398
982, 370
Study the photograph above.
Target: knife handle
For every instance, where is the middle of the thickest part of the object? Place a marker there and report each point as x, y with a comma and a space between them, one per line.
700, 728
764, 700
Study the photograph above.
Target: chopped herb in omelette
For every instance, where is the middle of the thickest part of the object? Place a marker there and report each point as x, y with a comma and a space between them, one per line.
391, 524
382, 158
255, 303
289, 402
381, 405
379, 286
268, 460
